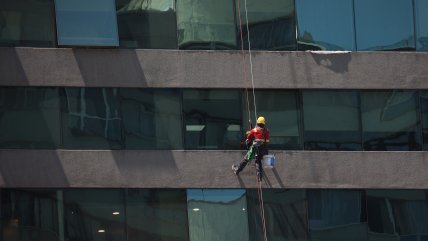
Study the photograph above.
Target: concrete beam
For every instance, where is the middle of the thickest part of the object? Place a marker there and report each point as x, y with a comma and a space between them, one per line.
211, 69
210, 169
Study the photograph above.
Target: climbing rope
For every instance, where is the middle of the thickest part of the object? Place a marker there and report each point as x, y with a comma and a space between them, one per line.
244, 69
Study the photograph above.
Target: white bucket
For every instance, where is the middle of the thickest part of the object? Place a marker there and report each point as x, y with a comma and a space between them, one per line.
269, 161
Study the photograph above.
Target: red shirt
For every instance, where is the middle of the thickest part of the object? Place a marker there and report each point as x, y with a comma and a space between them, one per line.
259, 134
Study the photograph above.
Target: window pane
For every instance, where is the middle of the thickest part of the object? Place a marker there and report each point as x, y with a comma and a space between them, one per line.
154, 214
206, 24
424, 110
337, 215
29, 215
83, 22
390, 122
281, 111
285, 215
152, 118
384, 25
212, 119
27, 23
217, 214
325, 25
271, 24
331, 120
92, 214
29, 117
91, 118
147, 24
421, 11
397, 215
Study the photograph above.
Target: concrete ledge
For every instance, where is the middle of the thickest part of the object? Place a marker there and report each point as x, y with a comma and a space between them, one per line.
211, 69
210, 169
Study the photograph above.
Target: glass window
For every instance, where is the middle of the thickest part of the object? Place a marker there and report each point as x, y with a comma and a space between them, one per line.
29, 117
92, 214
92, 119
285, 215
421, 17
206, 24
331, 120
212, 119
337, 215
27, 23
384, 25
157, 214
29, 215
217, 214
325, 25
390, 121
147, 24
397, 215
152, 118
271, 24
424, 110
282, 114
88, 23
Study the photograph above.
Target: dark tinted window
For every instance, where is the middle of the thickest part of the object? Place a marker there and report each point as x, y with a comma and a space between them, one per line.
282, 115
421, 17
157, 214
217, 214
91, 118
325, 25
271, 24
88, 23
390, 121
27, 23
397, 215
152, 118
29, 117
29, 215
212, 119
384, 25
331, 120
206, 24
337, 215
147, 24
285, 215
92, 214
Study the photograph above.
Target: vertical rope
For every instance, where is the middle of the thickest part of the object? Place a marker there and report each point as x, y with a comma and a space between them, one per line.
262, 209
251, 60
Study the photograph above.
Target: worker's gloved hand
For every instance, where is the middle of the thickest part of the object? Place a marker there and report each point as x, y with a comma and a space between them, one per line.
246, 133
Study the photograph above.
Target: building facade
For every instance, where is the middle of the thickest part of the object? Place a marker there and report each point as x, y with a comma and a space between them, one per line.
120, 119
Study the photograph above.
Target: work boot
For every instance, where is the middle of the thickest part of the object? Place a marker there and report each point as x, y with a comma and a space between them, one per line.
235, 169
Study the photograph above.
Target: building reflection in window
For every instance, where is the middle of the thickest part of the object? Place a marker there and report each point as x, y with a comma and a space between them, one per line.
217, 214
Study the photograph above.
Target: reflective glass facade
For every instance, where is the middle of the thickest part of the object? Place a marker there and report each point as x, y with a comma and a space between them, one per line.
384, 25
147, 24
390, 121
87, 23
212, 214
325, 25
211, 119
331, 120
27, 23
206, 24
274, 25
271, 24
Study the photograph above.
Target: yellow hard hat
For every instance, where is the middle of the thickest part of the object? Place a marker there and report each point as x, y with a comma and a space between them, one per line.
261, 120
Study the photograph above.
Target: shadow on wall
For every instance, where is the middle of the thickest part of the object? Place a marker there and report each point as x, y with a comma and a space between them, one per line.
97, 68
337, 62
31, 168
11, 70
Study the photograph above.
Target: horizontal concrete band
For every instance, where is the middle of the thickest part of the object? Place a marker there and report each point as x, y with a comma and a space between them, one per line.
211, 69
210, 169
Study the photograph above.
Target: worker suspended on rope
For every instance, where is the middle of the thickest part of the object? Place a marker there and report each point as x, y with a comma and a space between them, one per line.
257, 140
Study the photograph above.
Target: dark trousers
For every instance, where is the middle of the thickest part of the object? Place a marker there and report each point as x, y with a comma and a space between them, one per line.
259, 151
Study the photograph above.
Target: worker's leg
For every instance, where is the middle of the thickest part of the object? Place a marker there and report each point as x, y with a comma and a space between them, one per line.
250, 154
261, 151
